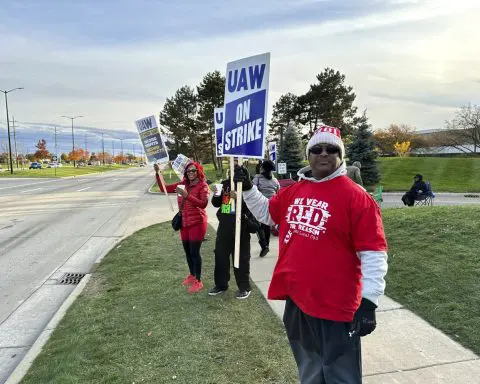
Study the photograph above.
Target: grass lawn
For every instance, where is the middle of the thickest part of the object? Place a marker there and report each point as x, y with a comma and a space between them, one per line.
61, 172
135, 323
445, 174
434, 267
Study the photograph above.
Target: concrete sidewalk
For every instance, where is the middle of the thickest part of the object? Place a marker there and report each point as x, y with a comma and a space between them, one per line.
404, 349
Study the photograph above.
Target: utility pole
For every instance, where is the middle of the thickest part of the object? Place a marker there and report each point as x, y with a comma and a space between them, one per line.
56, 151
73, 136
103, 150
134, 157
121, 151
113, 150
8, 128
15, 140
56, 147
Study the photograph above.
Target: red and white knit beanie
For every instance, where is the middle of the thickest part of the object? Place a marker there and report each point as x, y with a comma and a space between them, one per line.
327, 135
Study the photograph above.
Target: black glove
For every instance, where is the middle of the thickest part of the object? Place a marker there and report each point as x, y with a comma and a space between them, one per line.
241, 175
364, 321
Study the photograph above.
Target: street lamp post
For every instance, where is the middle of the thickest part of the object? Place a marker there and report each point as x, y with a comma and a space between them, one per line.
8, 128
103, 151
15, 140
56, 152
73, 136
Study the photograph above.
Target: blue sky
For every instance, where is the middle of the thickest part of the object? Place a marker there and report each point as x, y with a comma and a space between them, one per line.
409, 61
101, 22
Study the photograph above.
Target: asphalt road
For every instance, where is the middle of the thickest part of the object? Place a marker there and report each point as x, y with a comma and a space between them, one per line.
51, 227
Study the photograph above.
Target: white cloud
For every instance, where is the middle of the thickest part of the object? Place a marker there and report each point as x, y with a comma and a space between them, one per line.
412, 65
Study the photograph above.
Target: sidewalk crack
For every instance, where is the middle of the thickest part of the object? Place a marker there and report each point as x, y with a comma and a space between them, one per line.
422, 367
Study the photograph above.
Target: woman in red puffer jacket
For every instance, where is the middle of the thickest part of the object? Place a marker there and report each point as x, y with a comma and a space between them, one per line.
194, 197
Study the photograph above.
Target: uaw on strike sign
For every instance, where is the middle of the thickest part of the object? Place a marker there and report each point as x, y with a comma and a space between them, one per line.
218, 117
246, 93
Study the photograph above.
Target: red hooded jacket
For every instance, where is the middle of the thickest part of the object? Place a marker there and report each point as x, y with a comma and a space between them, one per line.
193, 212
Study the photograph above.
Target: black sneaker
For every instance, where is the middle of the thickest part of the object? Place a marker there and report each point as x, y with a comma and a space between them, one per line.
240, 295
264, 251
216, 291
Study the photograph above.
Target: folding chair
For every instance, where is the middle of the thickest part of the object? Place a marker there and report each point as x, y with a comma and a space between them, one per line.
377, 195
425, 198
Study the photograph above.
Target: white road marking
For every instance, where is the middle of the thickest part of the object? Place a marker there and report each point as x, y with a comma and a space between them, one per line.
83, 189
26, 185
31, 190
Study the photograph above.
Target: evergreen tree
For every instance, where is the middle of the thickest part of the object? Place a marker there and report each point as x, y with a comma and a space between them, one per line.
362, 150
292, 152
210, 95
329, 102
179, 117
284, 113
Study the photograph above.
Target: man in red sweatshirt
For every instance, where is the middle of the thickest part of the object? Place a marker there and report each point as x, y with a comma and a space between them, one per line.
331, 264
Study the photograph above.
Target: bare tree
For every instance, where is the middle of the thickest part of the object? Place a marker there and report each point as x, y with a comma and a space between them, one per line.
463, 132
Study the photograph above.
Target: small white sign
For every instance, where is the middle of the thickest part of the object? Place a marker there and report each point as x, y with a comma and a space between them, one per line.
179, 165
282, 168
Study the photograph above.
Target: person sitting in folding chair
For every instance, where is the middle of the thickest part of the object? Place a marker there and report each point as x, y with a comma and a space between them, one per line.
426, 197
416, 190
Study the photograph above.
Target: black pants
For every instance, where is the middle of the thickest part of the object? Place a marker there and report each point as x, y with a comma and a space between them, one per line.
224, 249
194, 260
264, 236
409, 199
323, 349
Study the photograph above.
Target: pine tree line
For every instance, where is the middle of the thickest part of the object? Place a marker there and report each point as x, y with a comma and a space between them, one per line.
187, 118
328, 101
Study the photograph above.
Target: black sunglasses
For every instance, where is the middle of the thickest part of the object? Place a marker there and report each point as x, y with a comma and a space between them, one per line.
330, 149
192, 171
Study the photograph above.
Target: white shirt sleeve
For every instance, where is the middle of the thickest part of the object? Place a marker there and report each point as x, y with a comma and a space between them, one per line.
374, 269
258, 205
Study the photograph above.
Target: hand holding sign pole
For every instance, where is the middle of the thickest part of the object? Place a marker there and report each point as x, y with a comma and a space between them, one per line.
162, 180
245, 116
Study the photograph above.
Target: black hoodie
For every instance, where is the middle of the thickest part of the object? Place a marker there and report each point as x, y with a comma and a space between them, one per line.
225, 215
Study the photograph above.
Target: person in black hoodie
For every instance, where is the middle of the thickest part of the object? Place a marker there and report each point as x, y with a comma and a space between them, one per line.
268, 185
417, 188
225, 243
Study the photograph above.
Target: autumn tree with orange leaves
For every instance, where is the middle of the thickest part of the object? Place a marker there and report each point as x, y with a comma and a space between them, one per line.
78, 154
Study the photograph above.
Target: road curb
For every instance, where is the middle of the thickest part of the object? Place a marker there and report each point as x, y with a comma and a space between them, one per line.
149, 189
22, 368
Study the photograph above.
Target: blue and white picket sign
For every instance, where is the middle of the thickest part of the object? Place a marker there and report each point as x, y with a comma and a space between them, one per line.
272, 151
218, 118
246, 96
152, 141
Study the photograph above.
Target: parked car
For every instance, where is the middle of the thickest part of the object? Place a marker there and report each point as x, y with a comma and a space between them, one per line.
286, 182
35, 165
54, 164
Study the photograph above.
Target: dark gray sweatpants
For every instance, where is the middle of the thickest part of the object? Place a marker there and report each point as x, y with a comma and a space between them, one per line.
323, 349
